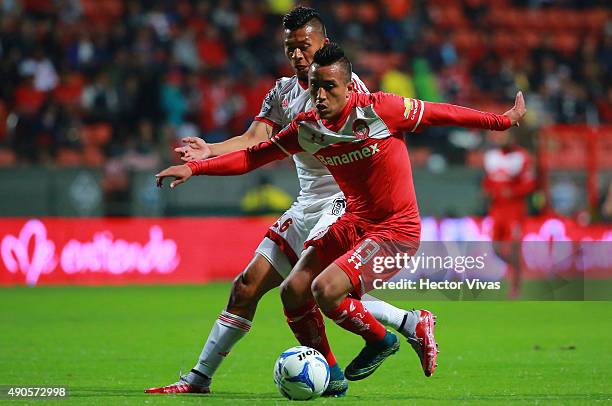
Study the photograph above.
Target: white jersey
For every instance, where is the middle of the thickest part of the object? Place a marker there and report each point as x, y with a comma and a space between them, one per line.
283, 103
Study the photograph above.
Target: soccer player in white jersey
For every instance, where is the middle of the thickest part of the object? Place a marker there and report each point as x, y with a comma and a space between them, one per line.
318, 205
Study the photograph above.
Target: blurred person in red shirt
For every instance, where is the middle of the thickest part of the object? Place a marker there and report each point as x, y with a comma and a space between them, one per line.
509, 179
211, 48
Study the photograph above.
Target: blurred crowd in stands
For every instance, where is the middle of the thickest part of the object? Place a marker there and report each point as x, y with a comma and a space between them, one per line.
115, 83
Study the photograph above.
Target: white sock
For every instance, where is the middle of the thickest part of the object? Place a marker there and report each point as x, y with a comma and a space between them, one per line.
404, 321
227, 331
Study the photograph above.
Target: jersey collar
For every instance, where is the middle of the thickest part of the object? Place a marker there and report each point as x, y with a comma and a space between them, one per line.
336, 123
303, 85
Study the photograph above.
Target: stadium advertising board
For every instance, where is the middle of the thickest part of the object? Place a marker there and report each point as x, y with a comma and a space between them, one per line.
117, 251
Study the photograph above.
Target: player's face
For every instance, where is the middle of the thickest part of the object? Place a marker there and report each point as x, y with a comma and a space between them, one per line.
329, 90
300, 47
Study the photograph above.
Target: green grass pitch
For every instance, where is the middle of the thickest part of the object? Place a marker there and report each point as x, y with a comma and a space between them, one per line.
108, 344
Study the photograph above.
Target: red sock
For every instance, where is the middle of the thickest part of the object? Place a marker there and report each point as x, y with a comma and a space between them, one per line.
351, 315
308, 327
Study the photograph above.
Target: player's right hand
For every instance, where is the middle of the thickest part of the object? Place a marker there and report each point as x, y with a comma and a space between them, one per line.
180, 173
194, 149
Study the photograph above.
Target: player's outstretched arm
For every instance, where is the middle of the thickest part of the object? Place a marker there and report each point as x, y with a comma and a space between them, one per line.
237, 162
234, 163
195, 148
442, 114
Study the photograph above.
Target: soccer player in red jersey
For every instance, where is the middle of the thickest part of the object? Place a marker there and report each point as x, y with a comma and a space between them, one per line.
509, 178
358, 137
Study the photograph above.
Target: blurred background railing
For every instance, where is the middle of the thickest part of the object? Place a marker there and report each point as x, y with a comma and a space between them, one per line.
79, 192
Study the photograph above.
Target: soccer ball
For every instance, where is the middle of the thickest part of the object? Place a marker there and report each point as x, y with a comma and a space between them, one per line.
301, 373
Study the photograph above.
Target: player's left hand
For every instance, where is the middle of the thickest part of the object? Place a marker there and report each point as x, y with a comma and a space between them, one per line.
516, 113
180, 173
194, 149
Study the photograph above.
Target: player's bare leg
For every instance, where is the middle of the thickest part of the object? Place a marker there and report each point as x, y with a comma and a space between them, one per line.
233, 323
248, 288
330, 290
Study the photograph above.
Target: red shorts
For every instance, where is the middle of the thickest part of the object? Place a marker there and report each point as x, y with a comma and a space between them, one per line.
358, 248
506, 229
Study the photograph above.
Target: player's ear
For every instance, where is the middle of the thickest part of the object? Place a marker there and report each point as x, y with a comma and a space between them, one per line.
326, 41
350, 86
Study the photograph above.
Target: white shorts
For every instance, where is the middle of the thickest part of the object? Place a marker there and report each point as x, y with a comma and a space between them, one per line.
285, 239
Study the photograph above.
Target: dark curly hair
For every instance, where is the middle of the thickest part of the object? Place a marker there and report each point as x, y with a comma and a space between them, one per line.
300, 16
332, 53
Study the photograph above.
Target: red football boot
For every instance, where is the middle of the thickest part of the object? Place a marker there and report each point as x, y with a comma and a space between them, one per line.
424, 342
181, 386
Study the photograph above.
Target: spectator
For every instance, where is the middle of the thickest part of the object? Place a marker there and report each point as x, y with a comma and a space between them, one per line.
100, 98
42, 69
185, 52
174, 103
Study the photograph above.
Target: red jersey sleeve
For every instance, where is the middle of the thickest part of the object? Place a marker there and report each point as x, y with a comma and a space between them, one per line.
243, 161
400, 114
403, 114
